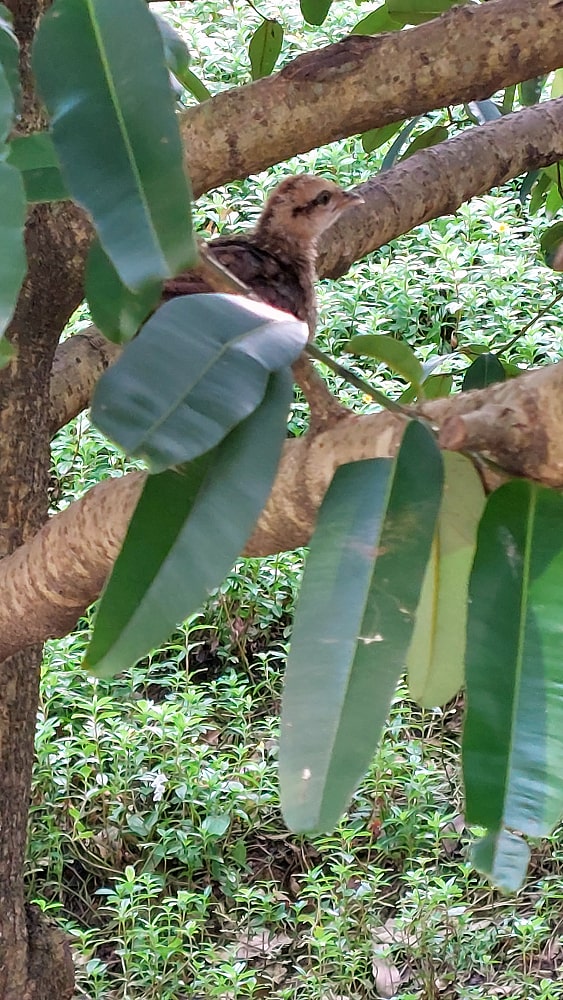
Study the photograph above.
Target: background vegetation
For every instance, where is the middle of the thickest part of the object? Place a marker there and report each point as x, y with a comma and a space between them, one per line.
157, 838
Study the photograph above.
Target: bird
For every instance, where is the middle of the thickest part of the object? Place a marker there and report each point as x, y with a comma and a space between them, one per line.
277, 259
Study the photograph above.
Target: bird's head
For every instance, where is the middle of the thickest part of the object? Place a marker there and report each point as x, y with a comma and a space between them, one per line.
301, 208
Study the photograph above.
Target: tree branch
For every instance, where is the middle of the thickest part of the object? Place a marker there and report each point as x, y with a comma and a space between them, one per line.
429, 184
363, 82
47, 583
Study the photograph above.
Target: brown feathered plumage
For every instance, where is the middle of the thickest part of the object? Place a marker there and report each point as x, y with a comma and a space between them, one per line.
276, 260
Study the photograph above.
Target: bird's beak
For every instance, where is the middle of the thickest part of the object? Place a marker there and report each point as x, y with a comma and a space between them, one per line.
349, 199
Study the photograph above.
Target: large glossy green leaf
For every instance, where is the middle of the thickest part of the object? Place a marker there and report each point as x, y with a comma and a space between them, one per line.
513, 736
503, 857
265, 47
36, 158
397, 354
115, 131
116, 310
199, 366
315, 11
353, 625
436, 655
187, 530
13, 262
10, 54
485, 370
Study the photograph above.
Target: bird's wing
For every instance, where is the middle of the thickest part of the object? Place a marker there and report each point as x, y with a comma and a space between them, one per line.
272, 279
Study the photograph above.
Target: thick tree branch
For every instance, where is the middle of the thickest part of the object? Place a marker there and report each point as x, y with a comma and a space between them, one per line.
362, 82
427, 185
517, 424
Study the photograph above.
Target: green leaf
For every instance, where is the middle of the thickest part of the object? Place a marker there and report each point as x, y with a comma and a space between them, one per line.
186, 532
553, 201
116, 310
550, 242
116, 133
36, 158
504, 858
417, 11
539, 193
216, 826
483, 111
485, 370
10, 54
430, 137
265, 47
315, 11
353, 625
397, 354
377, 136
373, 23
435, 659
199, 366
557, 84
176, 52
508, 99
13, 265
393, 152
513, 735
437, 386
530, 90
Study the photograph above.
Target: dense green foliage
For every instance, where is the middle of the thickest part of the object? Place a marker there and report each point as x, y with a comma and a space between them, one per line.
156, 832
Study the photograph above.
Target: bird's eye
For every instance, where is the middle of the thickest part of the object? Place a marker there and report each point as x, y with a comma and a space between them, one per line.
323, 198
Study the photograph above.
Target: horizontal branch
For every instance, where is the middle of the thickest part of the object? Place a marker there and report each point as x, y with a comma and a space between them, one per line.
47, 583
363, 81
427, 185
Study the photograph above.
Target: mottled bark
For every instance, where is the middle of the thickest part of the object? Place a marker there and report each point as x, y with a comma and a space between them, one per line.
363, 82
57, 574
31, 955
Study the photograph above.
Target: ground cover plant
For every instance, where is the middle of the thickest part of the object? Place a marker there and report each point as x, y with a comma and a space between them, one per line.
156, 832
158, 840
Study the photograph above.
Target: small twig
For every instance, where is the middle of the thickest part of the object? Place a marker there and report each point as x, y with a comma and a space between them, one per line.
542, 312
359, 383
